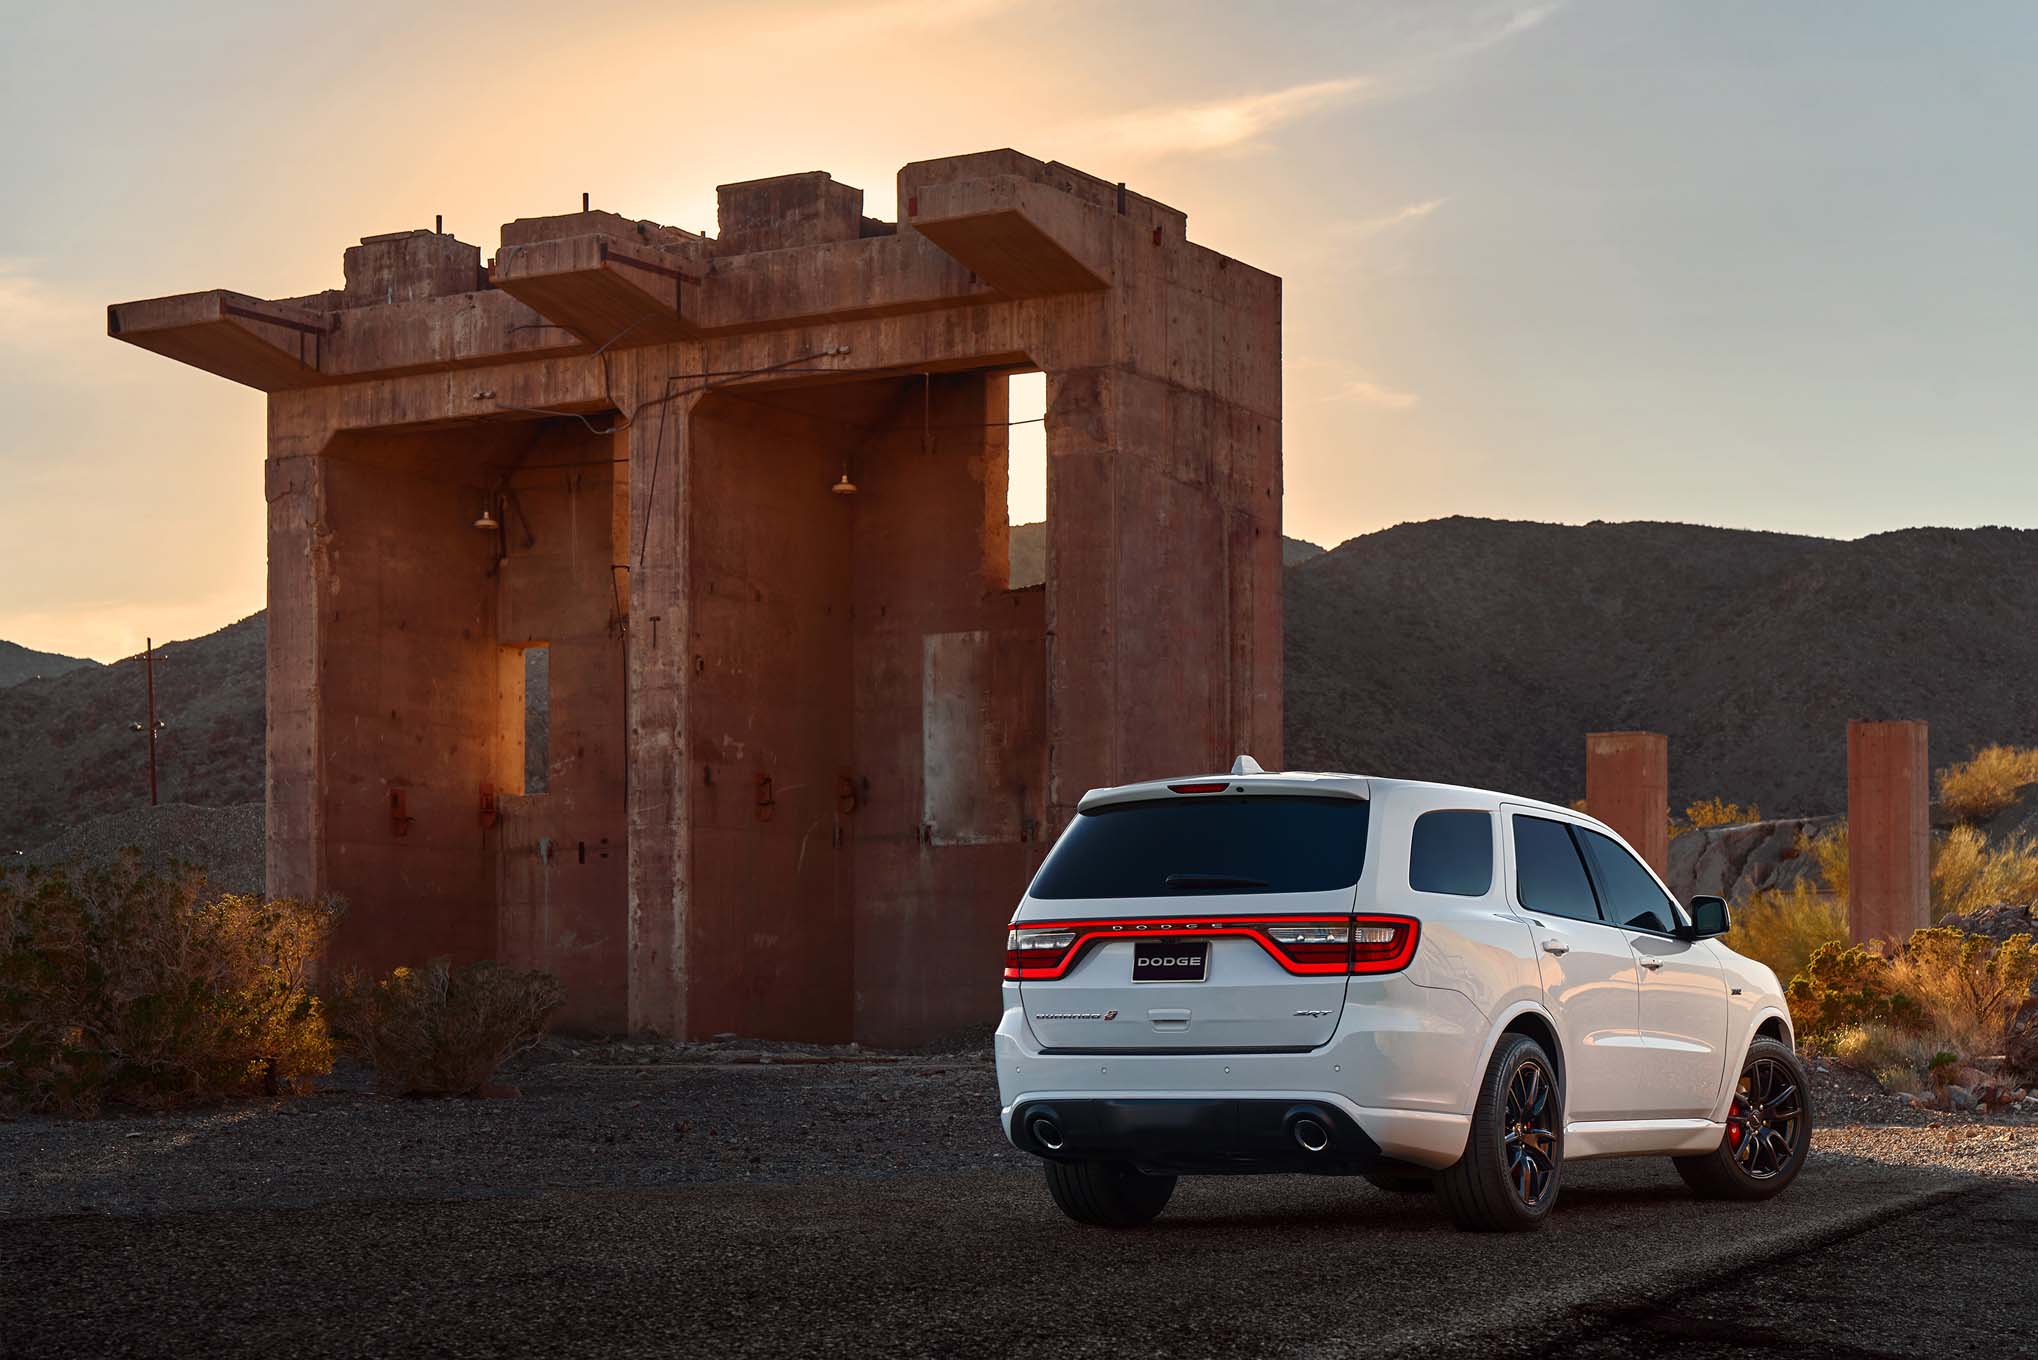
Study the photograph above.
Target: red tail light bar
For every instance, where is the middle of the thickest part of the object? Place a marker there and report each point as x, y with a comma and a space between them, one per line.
1304, 945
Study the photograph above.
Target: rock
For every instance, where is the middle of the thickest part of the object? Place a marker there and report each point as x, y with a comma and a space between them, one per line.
1735, 862
2020, 1043
1999, 922
1960, 1098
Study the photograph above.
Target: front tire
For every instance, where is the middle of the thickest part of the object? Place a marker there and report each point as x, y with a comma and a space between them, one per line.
1513, 1166
1769, 1130
1108, 1194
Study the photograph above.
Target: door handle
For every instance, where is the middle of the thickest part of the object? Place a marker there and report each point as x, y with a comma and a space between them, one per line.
1652, 964
1553, 945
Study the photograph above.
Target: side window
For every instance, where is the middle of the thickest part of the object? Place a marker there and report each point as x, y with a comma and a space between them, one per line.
1628, 891
1548, 875
1452, 852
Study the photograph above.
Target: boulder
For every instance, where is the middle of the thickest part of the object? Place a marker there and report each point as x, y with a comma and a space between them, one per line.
1735, 862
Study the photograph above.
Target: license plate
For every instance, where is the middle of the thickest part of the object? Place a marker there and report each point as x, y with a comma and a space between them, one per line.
1170, 960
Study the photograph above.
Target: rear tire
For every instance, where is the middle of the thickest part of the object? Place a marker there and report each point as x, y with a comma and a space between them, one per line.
1513, 1166
1108, 1194
1769, 1130
1400, 1182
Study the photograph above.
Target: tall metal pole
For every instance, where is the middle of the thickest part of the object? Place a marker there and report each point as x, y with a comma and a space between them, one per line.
149, 666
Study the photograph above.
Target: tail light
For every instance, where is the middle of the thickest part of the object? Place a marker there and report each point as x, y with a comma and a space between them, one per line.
1304, 945
1038, 953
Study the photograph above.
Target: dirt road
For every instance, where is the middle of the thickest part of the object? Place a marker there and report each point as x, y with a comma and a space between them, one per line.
792, 1210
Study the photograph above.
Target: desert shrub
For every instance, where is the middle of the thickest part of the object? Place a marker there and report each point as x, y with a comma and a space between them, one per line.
1894, 1057
1842, 986
1968, 986
1828, 850
441, 1030
1968, 873
142, 988
1719, 812
1978, 789
1784, 929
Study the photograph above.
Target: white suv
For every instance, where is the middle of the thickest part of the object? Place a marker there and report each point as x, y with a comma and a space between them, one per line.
1433, 987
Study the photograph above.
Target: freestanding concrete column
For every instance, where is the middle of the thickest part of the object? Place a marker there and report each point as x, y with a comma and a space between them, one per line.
1889, 831
1627, 786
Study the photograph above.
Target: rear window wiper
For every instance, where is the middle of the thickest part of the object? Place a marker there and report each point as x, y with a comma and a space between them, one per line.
1212, 881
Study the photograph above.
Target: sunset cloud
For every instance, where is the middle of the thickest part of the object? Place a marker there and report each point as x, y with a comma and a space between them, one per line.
1373, 226
1225, 124
1366, 392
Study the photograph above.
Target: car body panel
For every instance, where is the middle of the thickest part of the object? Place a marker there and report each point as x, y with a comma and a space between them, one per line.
1644, 1053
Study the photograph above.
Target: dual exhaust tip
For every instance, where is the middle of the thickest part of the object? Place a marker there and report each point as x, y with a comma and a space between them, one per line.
1311, 1133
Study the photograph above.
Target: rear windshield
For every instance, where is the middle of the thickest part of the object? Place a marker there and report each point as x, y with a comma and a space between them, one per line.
1198, 846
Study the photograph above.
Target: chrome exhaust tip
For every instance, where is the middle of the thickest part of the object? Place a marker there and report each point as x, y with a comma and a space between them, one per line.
1047, 1133
1312, 1136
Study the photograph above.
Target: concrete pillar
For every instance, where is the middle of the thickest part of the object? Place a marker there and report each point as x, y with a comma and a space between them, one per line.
1627, 786
658, 451
1889, 830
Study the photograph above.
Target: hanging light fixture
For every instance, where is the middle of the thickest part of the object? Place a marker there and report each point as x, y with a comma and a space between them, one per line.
487, 523
843, 486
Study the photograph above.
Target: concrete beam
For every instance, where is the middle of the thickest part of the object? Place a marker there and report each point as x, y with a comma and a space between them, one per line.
1022, 238
265, 345
1889, 831
1627, 786
606, 291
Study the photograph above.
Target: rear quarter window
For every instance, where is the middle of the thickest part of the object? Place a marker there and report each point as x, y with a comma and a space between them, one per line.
1451, 852
1208, 845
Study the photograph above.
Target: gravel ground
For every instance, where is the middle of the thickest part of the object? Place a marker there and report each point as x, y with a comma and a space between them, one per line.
640, 1199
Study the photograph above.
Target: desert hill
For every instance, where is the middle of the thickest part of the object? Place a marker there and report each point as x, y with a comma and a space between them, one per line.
73, 746
1472, 651
1481, 651
18, 663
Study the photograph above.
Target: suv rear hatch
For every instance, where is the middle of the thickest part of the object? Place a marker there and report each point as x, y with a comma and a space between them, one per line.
1212, 916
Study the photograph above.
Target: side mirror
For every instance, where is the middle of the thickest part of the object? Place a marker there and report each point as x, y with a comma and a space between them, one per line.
1709, 918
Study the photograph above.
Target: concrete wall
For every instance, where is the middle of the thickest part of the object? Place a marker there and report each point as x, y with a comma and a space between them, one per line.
406, 696
562, 854
923, 730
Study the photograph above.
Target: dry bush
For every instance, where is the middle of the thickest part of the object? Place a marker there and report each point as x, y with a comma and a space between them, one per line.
1968, 873
1828, 850
1978, 789
1947, 998
441, 1030
119, 985
1719, 812
1784, 929
1969, 986
1897, 1058
1842, 986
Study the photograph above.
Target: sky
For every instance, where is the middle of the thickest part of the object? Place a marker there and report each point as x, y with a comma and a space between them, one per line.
1759, 265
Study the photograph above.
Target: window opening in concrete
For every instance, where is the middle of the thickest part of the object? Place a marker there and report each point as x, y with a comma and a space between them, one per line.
1026, 477
524, 718
537, 719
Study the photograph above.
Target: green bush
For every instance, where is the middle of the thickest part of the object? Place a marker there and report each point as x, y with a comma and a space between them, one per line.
144, 989
441, 1030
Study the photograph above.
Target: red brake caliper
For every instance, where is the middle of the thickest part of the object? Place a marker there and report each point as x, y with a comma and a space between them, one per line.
1734, 1122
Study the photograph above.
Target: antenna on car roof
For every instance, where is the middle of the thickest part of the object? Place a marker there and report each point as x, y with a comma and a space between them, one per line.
1246, 765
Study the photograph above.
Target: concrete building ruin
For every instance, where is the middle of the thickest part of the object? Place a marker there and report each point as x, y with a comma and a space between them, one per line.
803, 746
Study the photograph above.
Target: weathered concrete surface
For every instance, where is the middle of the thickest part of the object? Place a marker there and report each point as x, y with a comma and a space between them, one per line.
1889, 830
1627, 786
804, 747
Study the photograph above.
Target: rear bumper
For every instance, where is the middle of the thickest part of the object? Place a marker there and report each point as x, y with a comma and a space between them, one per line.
1403, 1100
1195, 1134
